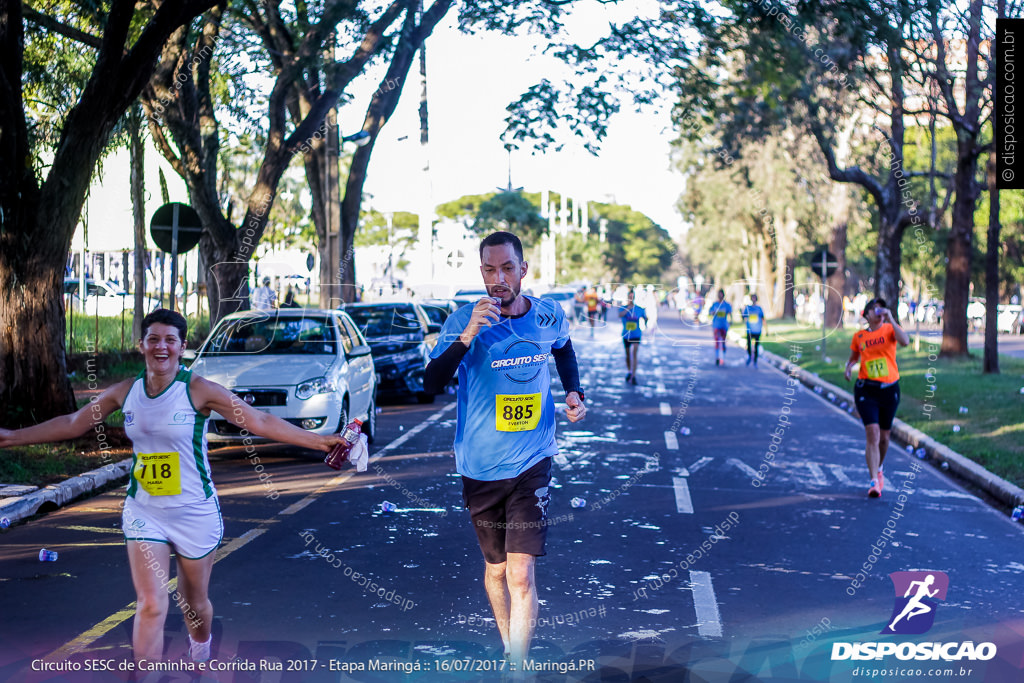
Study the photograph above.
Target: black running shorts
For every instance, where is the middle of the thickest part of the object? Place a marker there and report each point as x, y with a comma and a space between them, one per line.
875, 403
510, 515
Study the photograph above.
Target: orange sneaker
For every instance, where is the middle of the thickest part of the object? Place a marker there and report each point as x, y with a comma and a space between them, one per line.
876, 489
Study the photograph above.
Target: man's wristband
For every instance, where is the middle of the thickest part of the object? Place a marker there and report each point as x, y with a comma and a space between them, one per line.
578, 390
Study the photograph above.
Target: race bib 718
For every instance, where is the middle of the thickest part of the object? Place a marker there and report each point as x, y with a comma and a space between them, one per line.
159, 474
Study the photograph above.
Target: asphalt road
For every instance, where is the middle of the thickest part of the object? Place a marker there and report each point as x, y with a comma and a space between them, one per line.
682, 560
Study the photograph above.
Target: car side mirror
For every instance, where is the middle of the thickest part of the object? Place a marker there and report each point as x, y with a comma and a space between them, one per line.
358, 351
188, 354
433, 328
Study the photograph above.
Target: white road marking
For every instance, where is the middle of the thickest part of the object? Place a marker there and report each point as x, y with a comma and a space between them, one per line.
682, 491
709, 621
840, 475
660, 387
671, 442
700, 463
666, 409
817, 473
742, 466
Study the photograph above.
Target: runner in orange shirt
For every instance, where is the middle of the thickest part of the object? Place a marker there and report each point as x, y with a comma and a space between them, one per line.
877, 391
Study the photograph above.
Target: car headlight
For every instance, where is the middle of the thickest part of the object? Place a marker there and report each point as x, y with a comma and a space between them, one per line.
312, 387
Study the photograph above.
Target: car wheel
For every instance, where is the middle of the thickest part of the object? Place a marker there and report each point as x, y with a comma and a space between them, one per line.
370, 426
343, 417
425, 397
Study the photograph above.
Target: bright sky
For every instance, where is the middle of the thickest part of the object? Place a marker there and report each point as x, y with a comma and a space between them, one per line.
471, 81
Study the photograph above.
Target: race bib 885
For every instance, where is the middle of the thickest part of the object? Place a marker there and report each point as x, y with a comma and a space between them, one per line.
516, 412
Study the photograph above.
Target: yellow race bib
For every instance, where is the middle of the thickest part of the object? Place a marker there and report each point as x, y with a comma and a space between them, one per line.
516, 412
877, 368
630, 326
753, 318
159, 474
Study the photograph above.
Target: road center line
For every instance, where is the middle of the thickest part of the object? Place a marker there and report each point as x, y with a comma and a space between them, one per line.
87, 638
682, 491
742, 466
671, 442
666, 409
709, 621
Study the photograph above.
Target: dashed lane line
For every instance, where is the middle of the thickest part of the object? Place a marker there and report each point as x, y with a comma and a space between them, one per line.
709, 621
682, 490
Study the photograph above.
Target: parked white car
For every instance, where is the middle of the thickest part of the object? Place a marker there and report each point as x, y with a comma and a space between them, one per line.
310, 367
104, 297
1009, 318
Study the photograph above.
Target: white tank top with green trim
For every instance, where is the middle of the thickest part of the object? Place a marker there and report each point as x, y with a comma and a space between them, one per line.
170, 464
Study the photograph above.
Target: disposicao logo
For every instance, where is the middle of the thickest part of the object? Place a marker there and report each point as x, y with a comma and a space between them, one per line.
917, 595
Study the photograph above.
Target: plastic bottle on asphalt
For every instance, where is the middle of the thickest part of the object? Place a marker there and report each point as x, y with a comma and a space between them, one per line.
4, 522
685, 431
921, 453
339, 454
1018, 513
47, 555
910, 449
388, 506
577, 502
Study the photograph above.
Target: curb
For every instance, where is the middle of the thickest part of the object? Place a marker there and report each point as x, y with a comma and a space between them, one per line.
939, 453
21, 507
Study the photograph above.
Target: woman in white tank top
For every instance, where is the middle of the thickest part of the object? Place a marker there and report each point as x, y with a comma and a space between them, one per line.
171, 497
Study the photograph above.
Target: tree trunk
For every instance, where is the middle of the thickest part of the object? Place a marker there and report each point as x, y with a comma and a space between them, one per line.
990, 363
959, 251
889, 261
837, 283
138, 192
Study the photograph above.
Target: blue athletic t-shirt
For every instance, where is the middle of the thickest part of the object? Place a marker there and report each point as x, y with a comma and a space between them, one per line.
754, 315
631, 322
719, 313
506, 415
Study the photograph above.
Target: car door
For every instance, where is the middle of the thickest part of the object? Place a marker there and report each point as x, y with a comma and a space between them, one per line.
362, 381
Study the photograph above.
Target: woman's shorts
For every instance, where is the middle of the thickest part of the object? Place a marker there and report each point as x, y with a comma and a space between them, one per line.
194, 531
876, 403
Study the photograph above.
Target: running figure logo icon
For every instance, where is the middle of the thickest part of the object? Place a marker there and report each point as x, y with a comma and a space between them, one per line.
917, 596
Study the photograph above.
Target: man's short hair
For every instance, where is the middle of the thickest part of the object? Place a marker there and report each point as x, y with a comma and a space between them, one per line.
164, 316
496, 239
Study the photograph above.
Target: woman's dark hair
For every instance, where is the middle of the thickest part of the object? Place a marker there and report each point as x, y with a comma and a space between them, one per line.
496, 239
166, 317
878, 301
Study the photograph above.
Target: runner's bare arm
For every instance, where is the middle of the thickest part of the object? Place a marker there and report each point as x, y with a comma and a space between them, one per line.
854, 358
902, 338
212, 396
72, 425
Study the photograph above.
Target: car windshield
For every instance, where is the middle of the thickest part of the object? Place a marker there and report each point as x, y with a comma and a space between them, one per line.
376, 322
437, 314
274, 336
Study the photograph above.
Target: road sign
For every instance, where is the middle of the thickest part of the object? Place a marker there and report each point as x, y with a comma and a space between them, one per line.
823, 260
175, 228
175, 221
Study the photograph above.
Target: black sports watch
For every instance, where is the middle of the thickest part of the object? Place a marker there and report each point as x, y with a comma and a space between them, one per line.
578, 390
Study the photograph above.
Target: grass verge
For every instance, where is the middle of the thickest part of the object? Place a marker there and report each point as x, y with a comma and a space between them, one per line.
991, 432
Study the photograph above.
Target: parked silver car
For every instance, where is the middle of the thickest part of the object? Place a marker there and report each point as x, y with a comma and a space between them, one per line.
310, 367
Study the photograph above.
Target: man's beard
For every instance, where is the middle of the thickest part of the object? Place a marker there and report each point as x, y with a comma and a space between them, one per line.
508, 296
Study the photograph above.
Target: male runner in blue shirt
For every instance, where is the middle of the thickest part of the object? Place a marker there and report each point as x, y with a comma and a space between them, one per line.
753, 315
631, 333
505, 432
